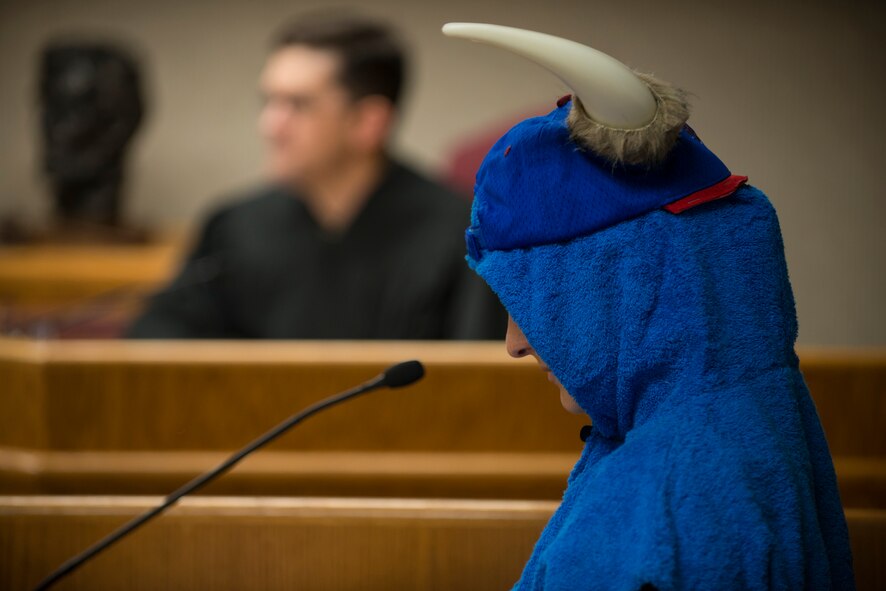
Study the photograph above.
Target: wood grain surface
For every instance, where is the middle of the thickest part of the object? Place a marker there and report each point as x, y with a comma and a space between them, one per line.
319, 544
141, 418
231, 543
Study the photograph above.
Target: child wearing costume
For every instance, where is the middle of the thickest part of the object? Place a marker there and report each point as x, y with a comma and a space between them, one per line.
651, 282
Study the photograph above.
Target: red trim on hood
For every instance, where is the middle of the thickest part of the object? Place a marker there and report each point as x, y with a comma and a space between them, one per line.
724, 188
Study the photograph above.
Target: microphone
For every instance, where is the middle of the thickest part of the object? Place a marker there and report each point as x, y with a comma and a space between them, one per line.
403, 374
396, 376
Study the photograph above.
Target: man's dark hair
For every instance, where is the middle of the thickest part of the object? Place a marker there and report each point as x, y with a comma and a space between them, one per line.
372, 58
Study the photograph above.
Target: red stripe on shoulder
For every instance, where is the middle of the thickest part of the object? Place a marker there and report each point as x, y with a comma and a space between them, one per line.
724, 188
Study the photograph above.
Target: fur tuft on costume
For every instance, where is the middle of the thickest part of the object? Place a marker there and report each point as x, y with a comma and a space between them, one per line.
646, 146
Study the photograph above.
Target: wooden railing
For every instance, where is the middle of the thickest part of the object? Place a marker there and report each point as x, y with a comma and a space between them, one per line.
119, 418
286, 543
141, 418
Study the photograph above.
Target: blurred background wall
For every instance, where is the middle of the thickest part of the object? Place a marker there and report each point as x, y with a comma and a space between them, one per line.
789, 93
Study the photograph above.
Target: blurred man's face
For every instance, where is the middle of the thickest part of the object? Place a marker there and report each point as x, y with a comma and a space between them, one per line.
306, 120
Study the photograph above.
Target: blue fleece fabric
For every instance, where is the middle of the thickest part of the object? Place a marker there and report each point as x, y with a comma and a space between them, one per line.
707, 467
572, 192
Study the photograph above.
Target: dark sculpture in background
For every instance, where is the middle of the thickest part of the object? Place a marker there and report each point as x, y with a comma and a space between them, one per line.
92, 105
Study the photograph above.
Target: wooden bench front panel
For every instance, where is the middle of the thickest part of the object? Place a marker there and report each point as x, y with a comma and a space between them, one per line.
232, 543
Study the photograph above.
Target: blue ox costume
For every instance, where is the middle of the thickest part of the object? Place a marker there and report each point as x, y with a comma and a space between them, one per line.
652, 282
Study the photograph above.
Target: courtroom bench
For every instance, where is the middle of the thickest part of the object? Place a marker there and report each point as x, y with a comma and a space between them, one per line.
305, 543
141, 418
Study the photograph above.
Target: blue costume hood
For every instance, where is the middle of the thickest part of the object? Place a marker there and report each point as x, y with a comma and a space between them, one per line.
706, 467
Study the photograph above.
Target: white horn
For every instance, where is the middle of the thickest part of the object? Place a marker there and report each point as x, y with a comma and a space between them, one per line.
610, 92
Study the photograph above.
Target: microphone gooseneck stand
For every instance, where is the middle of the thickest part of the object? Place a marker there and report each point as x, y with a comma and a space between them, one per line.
397, 376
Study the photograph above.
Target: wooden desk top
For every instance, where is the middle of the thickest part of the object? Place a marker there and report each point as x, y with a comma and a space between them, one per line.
305, 353
468, 353
61, 273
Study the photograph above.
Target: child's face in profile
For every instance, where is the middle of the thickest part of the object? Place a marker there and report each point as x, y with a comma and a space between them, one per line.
518, 346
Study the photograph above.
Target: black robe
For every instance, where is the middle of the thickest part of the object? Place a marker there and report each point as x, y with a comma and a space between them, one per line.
263, 268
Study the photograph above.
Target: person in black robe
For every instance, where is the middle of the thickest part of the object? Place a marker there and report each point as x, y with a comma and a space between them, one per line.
264, 268
345, 242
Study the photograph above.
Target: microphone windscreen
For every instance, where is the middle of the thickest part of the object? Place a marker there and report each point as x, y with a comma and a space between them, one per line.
403, 374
